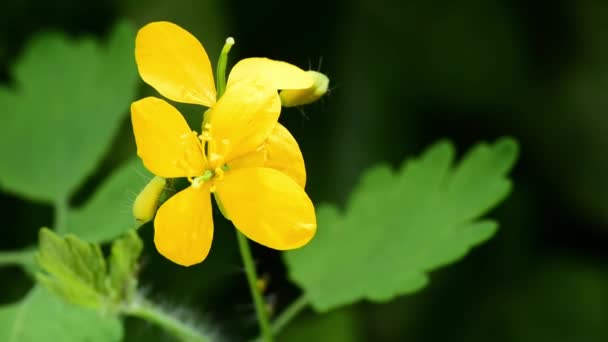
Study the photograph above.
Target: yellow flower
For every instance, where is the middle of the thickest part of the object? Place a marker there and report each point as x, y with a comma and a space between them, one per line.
251, 163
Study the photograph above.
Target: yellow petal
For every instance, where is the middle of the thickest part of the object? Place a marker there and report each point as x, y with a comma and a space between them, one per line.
241, 120
165, 143
268, 207
183, 228
279, 75
281, 152
174, 62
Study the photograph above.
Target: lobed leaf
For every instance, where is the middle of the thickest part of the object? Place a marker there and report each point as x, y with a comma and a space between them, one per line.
73, 269
123, 265
76, 270
398, 226
63, 110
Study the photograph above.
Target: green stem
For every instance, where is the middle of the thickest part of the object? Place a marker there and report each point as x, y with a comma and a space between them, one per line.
289, 313
260, 305
149, 312
221, 67
61, 213
22, 258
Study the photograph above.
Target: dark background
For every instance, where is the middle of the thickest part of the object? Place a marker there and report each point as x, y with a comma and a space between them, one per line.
403, 75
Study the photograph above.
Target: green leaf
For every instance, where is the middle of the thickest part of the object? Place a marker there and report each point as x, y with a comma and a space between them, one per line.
123, 265
75, 270
40, 316
336, 326
60, 115
398, 226
92, 222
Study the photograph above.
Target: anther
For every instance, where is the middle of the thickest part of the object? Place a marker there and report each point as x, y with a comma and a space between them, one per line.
219, 172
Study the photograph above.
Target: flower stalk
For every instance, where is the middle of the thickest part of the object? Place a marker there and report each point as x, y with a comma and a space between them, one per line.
258, 300
23, 258
61, 213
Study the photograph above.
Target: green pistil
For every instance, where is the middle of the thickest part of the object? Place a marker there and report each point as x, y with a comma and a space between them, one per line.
207, 175
198, 181
221, 67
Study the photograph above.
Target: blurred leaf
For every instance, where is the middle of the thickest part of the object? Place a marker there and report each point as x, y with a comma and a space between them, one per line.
75, 270
42, 317
92, 222
123, 264
62, 112
553, 299
336, 326
398, 226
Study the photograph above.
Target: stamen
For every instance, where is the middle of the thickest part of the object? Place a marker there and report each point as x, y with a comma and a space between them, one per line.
206, 136
190, 156
219, 172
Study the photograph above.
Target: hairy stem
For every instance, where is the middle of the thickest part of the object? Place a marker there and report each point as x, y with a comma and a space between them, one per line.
147, 311
23, 258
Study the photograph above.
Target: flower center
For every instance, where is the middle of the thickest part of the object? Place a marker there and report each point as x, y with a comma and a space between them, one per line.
210, 175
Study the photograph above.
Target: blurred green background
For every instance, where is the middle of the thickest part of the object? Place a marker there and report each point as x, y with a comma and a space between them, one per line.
403, 75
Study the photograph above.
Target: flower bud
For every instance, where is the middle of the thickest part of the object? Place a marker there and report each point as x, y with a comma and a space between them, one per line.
299, 97
146, 202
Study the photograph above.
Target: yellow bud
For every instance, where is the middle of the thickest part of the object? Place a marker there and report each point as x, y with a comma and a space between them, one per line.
299, 97
146, 203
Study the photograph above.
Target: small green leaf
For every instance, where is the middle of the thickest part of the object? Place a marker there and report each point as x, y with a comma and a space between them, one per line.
40, 316
74, 270
123, 265
60, 115
91, 222
398, 226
